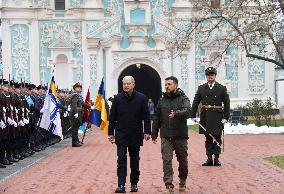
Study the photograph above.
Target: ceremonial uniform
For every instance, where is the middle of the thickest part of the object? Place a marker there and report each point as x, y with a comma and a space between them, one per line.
215, 106
76, 116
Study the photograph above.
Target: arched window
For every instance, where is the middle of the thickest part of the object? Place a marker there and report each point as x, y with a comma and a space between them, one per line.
61, 58
215, 4
59, 4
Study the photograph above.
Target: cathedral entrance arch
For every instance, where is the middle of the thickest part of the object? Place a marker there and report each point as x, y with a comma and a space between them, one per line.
147, 80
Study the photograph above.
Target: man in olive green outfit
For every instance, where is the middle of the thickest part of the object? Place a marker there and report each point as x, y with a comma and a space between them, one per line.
171, 118
76, 117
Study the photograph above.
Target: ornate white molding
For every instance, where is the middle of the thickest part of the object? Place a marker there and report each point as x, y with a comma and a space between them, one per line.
104, 28
184, 68
135, 60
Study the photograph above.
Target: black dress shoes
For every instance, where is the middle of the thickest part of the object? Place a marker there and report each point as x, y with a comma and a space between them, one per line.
134, 188
76, 145
217, 162
208, 162
120, 189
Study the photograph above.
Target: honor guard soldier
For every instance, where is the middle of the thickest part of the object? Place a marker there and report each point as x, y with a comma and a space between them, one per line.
215, 111
76, 116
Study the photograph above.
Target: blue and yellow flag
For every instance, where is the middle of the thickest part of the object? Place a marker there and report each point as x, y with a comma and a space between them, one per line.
99, 114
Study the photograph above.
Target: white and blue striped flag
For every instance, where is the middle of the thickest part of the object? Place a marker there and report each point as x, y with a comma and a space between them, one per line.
51, 117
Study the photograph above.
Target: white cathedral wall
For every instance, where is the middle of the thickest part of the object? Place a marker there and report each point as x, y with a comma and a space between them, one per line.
26, 16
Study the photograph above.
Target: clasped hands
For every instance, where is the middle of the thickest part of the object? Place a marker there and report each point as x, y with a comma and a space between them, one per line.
111, 138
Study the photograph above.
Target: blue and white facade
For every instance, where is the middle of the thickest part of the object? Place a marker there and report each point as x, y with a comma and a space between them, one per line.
92, 39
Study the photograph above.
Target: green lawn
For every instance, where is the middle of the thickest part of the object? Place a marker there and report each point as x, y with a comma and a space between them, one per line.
277, 160
278, 122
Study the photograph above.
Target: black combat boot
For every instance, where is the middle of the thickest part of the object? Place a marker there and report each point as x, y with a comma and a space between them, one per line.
209, 161
76, 144
16, 154
10, 157
5, 161
1, 159
216, 160
2, 165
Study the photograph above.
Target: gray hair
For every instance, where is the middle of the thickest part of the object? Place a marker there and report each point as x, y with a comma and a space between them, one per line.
128, 77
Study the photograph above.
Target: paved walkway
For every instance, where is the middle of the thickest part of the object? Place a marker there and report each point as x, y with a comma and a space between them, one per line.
92, 168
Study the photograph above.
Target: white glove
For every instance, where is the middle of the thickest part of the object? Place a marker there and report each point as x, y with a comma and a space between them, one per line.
68, 108
76, 115
23, 109
2, 125
10, 121
26, 121
65, 114
93, 107
15, 124
41, 110
4, 109
224, 121
21, 123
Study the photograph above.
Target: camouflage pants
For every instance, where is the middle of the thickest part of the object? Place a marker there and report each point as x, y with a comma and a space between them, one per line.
179, 146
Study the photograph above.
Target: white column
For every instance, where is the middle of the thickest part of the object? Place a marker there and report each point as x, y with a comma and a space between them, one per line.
34, 52
86, 60
6, 49
108, 69
100, 62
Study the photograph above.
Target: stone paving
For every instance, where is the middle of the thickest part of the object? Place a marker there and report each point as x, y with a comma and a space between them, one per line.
92, 168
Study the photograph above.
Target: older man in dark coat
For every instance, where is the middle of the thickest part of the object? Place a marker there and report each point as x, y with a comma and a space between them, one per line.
215, 111
128, 111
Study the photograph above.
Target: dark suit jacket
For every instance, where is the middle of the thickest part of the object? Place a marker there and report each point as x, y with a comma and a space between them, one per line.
126, 119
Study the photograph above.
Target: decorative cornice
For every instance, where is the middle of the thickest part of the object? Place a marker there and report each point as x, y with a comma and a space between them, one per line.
104, 27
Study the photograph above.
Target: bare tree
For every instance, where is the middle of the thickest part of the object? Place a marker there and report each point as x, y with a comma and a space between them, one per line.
256, 26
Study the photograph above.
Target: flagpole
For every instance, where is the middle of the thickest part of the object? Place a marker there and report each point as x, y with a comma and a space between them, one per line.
86, 125
84, 134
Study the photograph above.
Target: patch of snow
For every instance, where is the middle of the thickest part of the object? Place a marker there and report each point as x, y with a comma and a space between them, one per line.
246, 129
251, 129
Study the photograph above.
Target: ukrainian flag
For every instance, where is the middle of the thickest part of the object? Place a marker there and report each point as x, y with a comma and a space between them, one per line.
99, 114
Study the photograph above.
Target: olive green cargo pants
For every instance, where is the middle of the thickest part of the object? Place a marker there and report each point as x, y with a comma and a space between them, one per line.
179, 146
